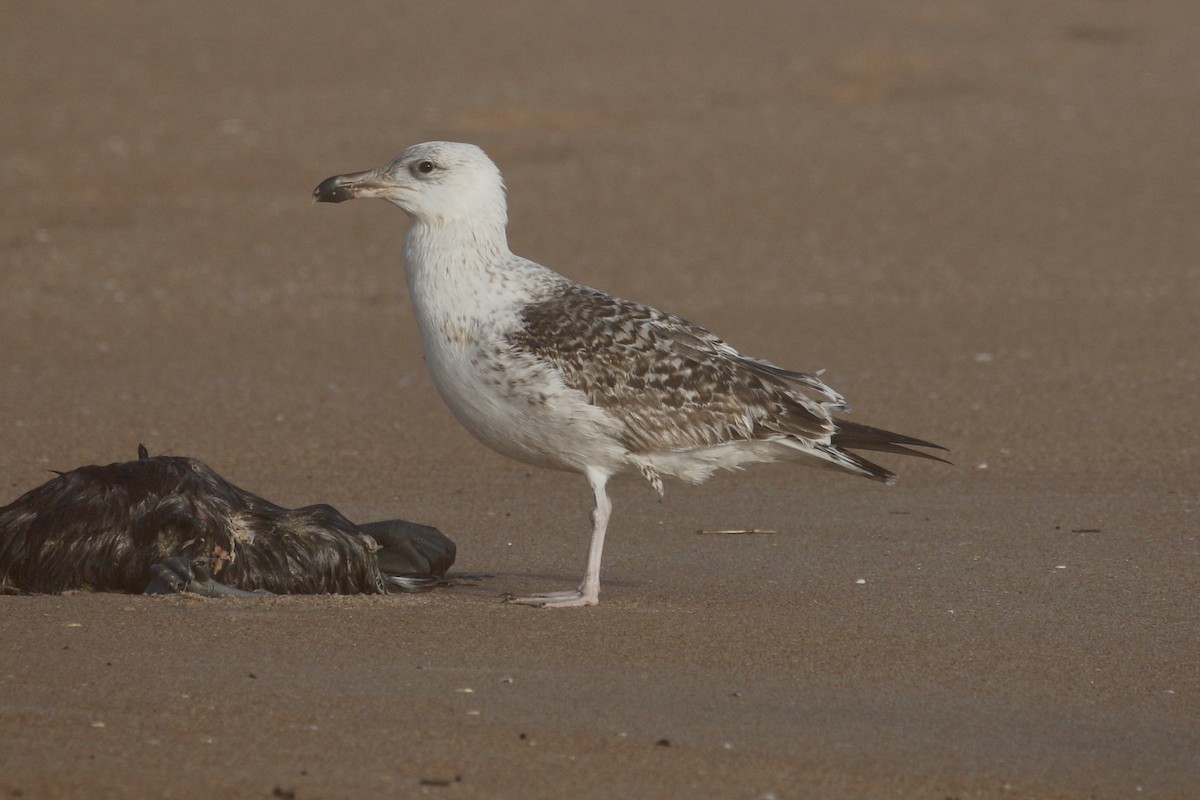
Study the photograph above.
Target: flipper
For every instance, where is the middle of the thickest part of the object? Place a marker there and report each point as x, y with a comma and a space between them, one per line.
411, 557
179, 574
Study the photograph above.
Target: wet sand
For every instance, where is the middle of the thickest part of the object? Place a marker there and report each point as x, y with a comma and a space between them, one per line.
979, 217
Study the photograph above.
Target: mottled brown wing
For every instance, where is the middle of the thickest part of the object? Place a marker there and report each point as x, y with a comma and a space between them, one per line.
674, 385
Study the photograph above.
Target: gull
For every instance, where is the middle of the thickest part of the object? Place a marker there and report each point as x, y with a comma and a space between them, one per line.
552, 373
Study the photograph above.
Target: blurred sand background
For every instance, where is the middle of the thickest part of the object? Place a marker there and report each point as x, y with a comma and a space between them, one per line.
980, 217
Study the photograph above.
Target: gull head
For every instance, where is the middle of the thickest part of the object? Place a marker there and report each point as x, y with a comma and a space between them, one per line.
435, 183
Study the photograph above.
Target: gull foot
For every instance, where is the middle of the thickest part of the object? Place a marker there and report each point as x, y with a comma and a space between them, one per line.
572, 598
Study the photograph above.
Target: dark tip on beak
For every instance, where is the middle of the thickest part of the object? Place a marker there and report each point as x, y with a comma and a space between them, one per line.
335, 190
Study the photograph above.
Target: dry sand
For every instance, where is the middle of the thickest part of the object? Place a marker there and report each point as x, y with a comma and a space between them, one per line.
981, 217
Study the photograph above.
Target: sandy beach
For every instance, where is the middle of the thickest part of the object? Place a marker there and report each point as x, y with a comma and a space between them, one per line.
979, 217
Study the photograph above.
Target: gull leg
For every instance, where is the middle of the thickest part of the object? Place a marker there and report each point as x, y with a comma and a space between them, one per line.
588, 593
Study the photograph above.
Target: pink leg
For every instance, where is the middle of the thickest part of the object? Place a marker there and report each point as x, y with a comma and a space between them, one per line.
588, 593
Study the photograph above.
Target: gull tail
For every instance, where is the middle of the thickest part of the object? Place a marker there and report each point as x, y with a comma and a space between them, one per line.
853, 436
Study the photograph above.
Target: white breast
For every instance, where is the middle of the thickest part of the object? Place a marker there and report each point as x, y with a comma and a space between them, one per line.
514, 404
506, 398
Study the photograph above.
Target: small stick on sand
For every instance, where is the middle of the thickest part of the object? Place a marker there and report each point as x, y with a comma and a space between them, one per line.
741, 531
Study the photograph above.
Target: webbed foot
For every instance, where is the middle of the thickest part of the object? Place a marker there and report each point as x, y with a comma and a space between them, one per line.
572, 598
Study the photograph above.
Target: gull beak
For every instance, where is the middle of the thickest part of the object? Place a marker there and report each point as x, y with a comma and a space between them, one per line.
371, 183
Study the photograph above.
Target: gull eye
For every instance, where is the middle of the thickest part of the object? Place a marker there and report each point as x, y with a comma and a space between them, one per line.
425, 167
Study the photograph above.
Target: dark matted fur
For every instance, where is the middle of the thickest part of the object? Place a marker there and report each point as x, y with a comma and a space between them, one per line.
102, 527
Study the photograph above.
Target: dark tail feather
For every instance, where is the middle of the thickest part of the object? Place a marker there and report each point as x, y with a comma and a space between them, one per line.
412, 557
854, 436
853, 462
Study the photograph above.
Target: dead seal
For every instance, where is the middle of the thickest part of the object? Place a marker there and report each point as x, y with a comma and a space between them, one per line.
171, 523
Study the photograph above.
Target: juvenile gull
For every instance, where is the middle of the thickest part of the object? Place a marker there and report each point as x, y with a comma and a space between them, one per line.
553, 373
